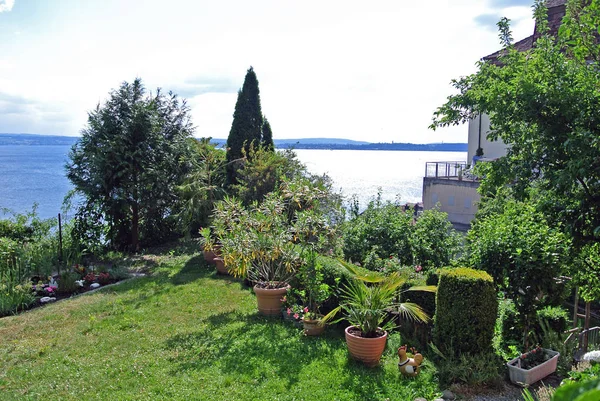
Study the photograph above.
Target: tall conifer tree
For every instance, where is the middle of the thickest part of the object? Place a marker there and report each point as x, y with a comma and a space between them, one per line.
267, 135
247, 123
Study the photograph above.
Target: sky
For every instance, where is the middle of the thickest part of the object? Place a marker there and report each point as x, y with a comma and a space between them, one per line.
363, 70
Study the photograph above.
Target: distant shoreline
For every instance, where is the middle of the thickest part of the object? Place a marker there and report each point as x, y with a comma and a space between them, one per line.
301, 143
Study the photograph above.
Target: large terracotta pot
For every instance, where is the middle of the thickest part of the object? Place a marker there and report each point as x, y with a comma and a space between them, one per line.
209, 256
366, 350
312, 327
220, 265
269, 300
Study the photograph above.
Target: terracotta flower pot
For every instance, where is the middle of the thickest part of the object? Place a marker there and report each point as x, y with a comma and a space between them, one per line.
269, 300
312, 327
209, 256
366, 350
220, 265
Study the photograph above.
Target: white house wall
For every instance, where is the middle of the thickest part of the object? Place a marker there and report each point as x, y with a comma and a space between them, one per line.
491, 150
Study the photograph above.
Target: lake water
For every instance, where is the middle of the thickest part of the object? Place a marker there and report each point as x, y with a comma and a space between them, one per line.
36, 173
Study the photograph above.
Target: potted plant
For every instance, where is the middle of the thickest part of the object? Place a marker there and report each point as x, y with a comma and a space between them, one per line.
366, 302
258, 244
208, 245
315, 292
532, 366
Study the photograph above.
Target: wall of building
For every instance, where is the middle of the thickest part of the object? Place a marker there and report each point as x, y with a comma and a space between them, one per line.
491, 150
457, 198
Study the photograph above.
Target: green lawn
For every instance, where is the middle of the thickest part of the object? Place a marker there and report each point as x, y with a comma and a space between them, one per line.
185, 334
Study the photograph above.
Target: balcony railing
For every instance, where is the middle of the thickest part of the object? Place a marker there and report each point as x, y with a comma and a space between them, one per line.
449, 170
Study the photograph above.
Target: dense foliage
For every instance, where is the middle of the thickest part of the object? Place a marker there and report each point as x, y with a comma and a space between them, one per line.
466, 309
544, 104
248, 128
524, 254
127, 166
385, 230
202, 186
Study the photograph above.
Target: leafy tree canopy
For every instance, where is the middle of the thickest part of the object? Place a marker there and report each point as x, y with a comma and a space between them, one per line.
545, 104
127, 164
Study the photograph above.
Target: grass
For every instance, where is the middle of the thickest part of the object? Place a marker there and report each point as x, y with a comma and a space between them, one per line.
184, 333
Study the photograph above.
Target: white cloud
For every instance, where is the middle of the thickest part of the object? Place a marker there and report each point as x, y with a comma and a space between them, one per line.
6, 5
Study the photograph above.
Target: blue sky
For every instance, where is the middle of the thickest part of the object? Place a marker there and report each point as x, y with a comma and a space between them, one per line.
371, 71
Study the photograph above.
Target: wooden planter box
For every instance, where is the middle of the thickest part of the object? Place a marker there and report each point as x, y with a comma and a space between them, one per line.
530, 376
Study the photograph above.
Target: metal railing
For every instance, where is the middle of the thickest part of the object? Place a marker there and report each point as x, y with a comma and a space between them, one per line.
447, 170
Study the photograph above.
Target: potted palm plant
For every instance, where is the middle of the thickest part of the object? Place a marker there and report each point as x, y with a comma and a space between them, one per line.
366, 302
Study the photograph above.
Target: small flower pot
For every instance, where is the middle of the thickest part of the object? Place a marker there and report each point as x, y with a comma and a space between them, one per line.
312, 327
529, 376
366, 350
220, 265
269, 299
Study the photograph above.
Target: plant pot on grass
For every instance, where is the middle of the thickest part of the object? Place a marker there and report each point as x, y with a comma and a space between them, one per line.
313, 327
269, 299
220, 265
532, 366
366, 301
364, 349
210, 248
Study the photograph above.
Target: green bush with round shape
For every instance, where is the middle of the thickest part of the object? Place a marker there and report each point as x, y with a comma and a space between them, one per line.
556, 317
466, 308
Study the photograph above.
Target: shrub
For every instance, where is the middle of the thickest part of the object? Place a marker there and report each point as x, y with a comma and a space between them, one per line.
466, 307
507, 331
434, 242
524, 254
383, 228
14, 297
469, 369
556, 317
387, 229
119, 273
67, 282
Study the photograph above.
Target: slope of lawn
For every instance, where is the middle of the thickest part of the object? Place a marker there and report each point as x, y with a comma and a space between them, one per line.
184, 333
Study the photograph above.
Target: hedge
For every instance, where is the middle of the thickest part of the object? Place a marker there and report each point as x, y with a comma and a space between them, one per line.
466, 310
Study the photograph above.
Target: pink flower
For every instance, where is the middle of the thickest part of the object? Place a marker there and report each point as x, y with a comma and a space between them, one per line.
418, 268
49, 289
296, 316
305, 309
289, 311
283, 299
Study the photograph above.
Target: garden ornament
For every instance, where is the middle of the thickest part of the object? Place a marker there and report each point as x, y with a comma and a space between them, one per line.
409, 366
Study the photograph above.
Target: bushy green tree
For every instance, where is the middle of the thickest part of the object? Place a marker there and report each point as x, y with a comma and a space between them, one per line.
544, 103
524, 255
127, 165
202, 187
385, 230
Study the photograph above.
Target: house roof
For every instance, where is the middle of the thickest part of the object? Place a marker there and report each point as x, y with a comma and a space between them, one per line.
556, 12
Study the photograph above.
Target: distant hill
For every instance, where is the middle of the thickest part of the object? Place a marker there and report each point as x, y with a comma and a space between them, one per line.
34, 139
347, 144
300, 143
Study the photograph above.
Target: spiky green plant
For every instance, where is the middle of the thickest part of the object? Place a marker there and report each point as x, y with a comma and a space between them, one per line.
367, 300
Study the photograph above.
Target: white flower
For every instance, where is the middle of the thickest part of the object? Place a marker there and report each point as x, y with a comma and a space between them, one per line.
592, 356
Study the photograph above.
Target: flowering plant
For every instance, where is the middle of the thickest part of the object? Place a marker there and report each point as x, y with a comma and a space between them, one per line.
533, 358
89, 278
103, 278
